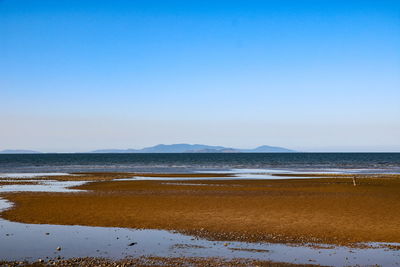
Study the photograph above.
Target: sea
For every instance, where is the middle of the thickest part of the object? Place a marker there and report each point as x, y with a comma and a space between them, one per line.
194, 162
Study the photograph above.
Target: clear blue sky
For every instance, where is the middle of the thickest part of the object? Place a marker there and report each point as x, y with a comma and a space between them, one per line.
307, 75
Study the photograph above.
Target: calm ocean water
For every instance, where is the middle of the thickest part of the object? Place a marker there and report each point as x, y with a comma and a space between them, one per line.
350, 162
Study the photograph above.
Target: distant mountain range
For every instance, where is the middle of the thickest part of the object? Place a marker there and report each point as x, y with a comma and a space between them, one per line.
174, 148
187, 148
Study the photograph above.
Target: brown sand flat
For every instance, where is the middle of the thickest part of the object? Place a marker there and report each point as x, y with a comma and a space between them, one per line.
16, 183
327, 210
108, 176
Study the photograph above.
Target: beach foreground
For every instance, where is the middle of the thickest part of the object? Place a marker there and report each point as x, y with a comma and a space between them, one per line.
312, 210
151, 261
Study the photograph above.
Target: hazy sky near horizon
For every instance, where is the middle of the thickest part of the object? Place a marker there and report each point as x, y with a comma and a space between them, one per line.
307, 75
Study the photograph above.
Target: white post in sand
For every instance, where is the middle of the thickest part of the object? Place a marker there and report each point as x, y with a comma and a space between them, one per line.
354, 181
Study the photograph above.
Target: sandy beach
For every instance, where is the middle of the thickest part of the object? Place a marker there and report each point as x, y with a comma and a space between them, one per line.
316, 210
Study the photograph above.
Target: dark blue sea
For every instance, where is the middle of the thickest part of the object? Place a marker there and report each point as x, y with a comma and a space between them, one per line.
186, 162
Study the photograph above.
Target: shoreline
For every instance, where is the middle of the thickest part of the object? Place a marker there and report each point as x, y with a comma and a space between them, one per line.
150, 261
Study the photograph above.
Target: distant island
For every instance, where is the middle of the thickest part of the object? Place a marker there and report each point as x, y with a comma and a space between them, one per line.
19, 151
174, 148
196, 148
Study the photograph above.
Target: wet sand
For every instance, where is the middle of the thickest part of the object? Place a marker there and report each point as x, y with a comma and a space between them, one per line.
325, 210
109, 176
151, 261
2, 183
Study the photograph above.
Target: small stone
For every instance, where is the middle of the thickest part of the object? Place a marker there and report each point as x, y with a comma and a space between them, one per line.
47, 233
132, 244
58, 248
40, 260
